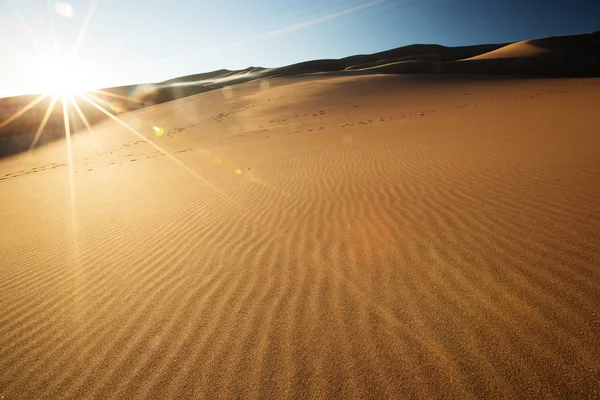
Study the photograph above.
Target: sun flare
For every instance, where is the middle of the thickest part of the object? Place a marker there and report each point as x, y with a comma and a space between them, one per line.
62, 79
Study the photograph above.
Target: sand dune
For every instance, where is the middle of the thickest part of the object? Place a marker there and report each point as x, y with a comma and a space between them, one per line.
322, 236
561, 56
564, 56
420, 52
574, 46
514, 50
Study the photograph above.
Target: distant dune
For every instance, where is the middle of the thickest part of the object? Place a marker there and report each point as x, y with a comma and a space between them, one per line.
561, 56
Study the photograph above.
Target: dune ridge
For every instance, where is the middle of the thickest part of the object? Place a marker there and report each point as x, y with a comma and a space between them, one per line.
561, 56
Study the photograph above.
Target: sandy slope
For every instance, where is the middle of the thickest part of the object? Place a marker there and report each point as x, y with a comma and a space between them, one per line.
558, 56
515, 50
318, 236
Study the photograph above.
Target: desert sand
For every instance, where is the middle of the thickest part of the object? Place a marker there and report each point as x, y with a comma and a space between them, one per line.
319, 236
557, 56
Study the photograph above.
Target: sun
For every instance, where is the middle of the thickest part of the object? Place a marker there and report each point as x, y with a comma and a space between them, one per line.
62, 79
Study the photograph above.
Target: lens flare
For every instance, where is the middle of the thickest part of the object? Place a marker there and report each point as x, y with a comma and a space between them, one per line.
158, 131
154, 145
64, 10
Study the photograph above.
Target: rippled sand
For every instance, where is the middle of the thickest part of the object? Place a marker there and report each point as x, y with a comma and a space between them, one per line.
312, 237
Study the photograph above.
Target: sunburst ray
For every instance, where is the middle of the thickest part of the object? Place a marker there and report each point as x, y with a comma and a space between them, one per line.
97, 100
80, 114
44, 121
25, 26
23, 110
88, 126
69, 162
154, 145
116, 96
84, 26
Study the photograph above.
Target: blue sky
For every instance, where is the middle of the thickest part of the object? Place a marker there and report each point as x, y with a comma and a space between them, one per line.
136, 41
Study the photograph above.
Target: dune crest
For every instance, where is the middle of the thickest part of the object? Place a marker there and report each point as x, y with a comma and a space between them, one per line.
514, 50
561, 56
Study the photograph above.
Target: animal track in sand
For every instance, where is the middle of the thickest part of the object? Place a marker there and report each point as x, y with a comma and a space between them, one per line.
32, 170
287, 120
307, 115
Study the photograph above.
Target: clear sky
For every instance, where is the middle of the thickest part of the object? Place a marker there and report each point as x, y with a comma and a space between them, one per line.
137, 41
